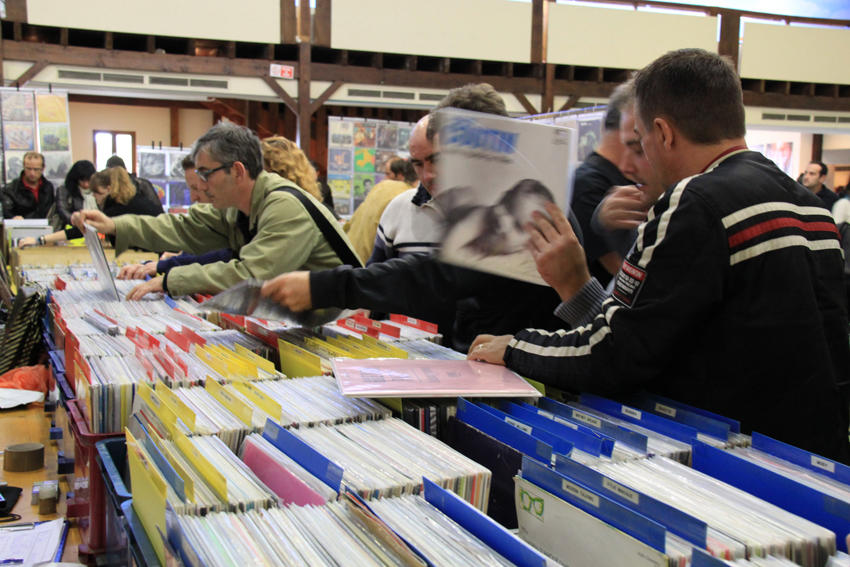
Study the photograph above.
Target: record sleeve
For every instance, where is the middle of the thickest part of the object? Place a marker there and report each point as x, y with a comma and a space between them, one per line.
495, 172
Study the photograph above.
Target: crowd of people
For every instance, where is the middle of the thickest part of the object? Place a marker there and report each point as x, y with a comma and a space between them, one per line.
707, 274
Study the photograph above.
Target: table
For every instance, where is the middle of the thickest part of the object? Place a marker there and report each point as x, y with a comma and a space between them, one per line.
26, 425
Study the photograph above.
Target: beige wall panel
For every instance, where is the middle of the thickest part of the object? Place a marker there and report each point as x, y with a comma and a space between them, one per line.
792, 53
212, 19
498, 30
193, 123
836, 141
149, 124
623, 39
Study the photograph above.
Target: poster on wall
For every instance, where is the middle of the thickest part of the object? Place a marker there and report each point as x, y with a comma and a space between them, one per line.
163, 167
56, 166
780, 153
358, 150
589, 133
54, 134
151, 164
18, 116
35, 121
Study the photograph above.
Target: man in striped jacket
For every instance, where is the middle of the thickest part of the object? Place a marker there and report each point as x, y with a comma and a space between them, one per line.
732, 297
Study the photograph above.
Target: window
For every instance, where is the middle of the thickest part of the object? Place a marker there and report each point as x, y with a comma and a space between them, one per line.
108, 143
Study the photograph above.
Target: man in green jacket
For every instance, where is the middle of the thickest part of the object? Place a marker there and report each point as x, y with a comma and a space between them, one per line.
269, 230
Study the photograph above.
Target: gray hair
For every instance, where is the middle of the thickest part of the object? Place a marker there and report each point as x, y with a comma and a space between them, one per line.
228, 143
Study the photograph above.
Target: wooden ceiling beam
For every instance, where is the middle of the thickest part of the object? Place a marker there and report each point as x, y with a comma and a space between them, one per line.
51, 54
34, 70
281, 93
137, 61
323, 98
526, 104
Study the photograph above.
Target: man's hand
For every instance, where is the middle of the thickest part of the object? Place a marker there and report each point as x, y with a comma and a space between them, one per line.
102, 223
489, 348
137, 271
17, 217
153, 285
27, 241
624, 207
291, 290
556, 251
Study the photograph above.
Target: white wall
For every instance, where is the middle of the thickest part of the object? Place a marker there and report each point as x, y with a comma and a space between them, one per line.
257, 20
497, 30
625, 39
795, 53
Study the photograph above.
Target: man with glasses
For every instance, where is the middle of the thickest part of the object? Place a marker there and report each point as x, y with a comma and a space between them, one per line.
30, 196
265, 219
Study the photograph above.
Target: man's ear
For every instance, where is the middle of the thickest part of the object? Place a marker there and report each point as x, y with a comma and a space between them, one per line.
239, 170
665, 131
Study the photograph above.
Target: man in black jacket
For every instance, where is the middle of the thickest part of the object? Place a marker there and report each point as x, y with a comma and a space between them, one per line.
31, 195
732, 298
597, 174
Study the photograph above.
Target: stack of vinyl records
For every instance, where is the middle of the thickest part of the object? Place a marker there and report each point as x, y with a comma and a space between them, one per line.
315, 401
407, 530
385, 458
196, 474
742, 526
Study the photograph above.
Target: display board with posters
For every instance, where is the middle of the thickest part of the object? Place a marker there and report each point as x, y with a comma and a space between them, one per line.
35, 121
358, 150
161, 165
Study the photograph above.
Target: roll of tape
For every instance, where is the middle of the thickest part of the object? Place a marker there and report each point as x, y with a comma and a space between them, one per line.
23, 457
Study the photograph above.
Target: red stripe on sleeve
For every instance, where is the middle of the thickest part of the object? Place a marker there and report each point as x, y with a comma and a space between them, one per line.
775, 224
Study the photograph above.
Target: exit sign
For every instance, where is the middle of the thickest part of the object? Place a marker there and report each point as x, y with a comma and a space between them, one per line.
282, 71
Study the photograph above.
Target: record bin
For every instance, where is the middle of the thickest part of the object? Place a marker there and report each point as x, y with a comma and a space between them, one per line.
111, 457
88, 506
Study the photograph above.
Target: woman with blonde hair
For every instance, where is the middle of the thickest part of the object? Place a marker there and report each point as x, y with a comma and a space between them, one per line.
115, 194
282, 156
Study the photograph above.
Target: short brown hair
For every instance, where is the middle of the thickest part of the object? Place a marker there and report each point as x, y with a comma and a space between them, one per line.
30, 155
480, 97
697, 91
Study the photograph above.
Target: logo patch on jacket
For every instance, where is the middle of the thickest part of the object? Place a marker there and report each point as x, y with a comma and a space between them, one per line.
628, 284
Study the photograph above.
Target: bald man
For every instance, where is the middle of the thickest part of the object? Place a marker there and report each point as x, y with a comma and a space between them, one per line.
411, 223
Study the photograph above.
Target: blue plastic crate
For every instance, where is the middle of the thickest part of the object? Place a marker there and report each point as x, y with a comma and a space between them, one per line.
57, 360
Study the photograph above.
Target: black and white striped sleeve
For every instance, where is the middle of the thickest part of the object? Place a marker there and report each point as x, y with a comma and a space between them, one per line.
669, 283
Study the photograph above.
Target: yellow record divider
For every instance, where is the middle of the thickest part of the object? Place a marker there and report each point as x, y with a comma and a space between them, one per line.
240, 409
162, 411
314, 358
263, 401
176, 405
297, 362
259, 361
149, 493
382, 349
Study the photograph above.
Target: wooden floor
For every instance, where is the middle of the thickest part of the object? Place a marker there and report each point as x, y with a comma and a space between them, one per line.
32, 425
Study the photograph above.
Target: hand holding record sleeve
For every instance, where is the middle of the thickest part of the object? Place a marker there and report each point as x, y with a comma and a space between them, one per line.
246, 298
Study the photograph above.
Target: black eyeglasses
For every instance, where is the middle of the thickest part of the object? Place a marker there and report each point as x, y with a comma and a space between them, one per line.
204, 174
